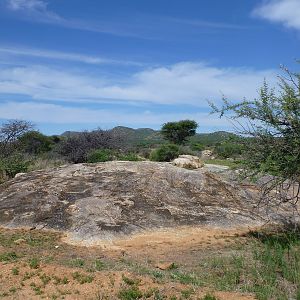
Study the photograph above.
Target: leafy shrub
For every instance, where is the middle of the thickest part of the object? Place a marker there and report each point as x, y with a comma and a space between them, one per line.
11, 165
145, 152
100, 155
228, 149
197, 146
165, 152
128, 157
271, 122
34, 263
34, 142
131, 293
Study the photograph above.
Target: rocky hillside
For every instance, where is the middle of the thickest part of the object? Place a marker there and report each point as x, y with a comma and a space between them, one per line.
148, 136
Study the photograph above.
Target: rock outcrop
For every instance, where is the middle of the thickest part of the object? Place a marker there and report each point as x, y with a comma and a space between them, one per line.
113, 199
188, 162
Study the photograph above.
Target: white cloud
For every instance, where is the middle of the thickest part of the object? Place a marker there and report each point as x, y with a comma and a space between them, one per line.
182, 83
34, 9
26, 5
143, 26
286, 12
58, 114
64, 56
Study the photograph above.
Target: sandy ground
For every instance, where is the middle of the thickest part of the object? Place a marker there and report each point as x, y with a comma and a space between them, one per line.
53, 278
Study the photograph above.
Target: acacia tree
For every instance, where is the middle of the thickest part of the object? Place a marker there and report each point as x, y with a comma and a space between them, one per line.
178, 132
11, 155
10, 133
271, 125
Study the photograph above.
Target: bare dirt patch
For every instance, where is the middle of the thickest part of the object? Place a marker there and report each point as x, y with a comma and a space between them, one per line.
38, 264
174, 244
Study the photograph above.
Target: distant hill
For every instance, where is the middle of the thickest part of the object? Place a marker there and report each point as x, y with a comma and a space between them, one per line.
70, 133
141, 136
145, 137
213, 138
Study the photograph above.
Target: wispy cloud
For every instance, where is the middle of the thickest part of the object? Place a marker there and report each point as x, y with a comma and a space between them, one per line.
206, 24
141, 26
286, 12
28, 4
37, 9
48, 54
182, 83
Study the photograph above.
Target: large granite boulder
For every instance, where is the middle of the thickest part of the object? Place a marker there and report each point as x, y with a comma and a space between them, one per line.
113, 199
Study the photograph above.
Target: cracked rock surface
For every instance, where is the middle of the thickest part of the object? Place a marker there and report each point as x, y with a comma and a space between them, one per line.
113, 199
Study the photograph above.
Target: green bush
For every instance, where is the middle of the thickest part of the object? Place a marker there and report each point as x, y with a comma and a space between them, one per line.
197, 146
228, 149
128, 157
34, 142
100, 155
165, 152
13, 164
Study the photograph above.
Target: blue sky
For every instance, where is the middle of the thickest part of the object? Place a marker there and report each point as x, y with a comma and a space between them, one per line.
74, 64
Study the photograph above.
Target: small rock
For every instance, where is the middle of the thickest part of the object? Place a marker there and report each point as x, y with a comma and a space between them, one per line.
207, 154
188, 162
166, 266
19, 175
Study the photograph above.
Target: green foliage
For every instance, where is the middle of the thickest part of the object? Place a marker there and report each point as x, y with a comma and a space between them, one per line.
185, 278
229, 149
272, 123
34, 263
15, 271
131, 293
209, 297
269, 267
130, 281
128, 157
13, 164
103, 155
277, 260
34, 142
186, 294
99, 265
100, 155
166, 152
178, 132
8, 257
82, 278
77, 263
197, 146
